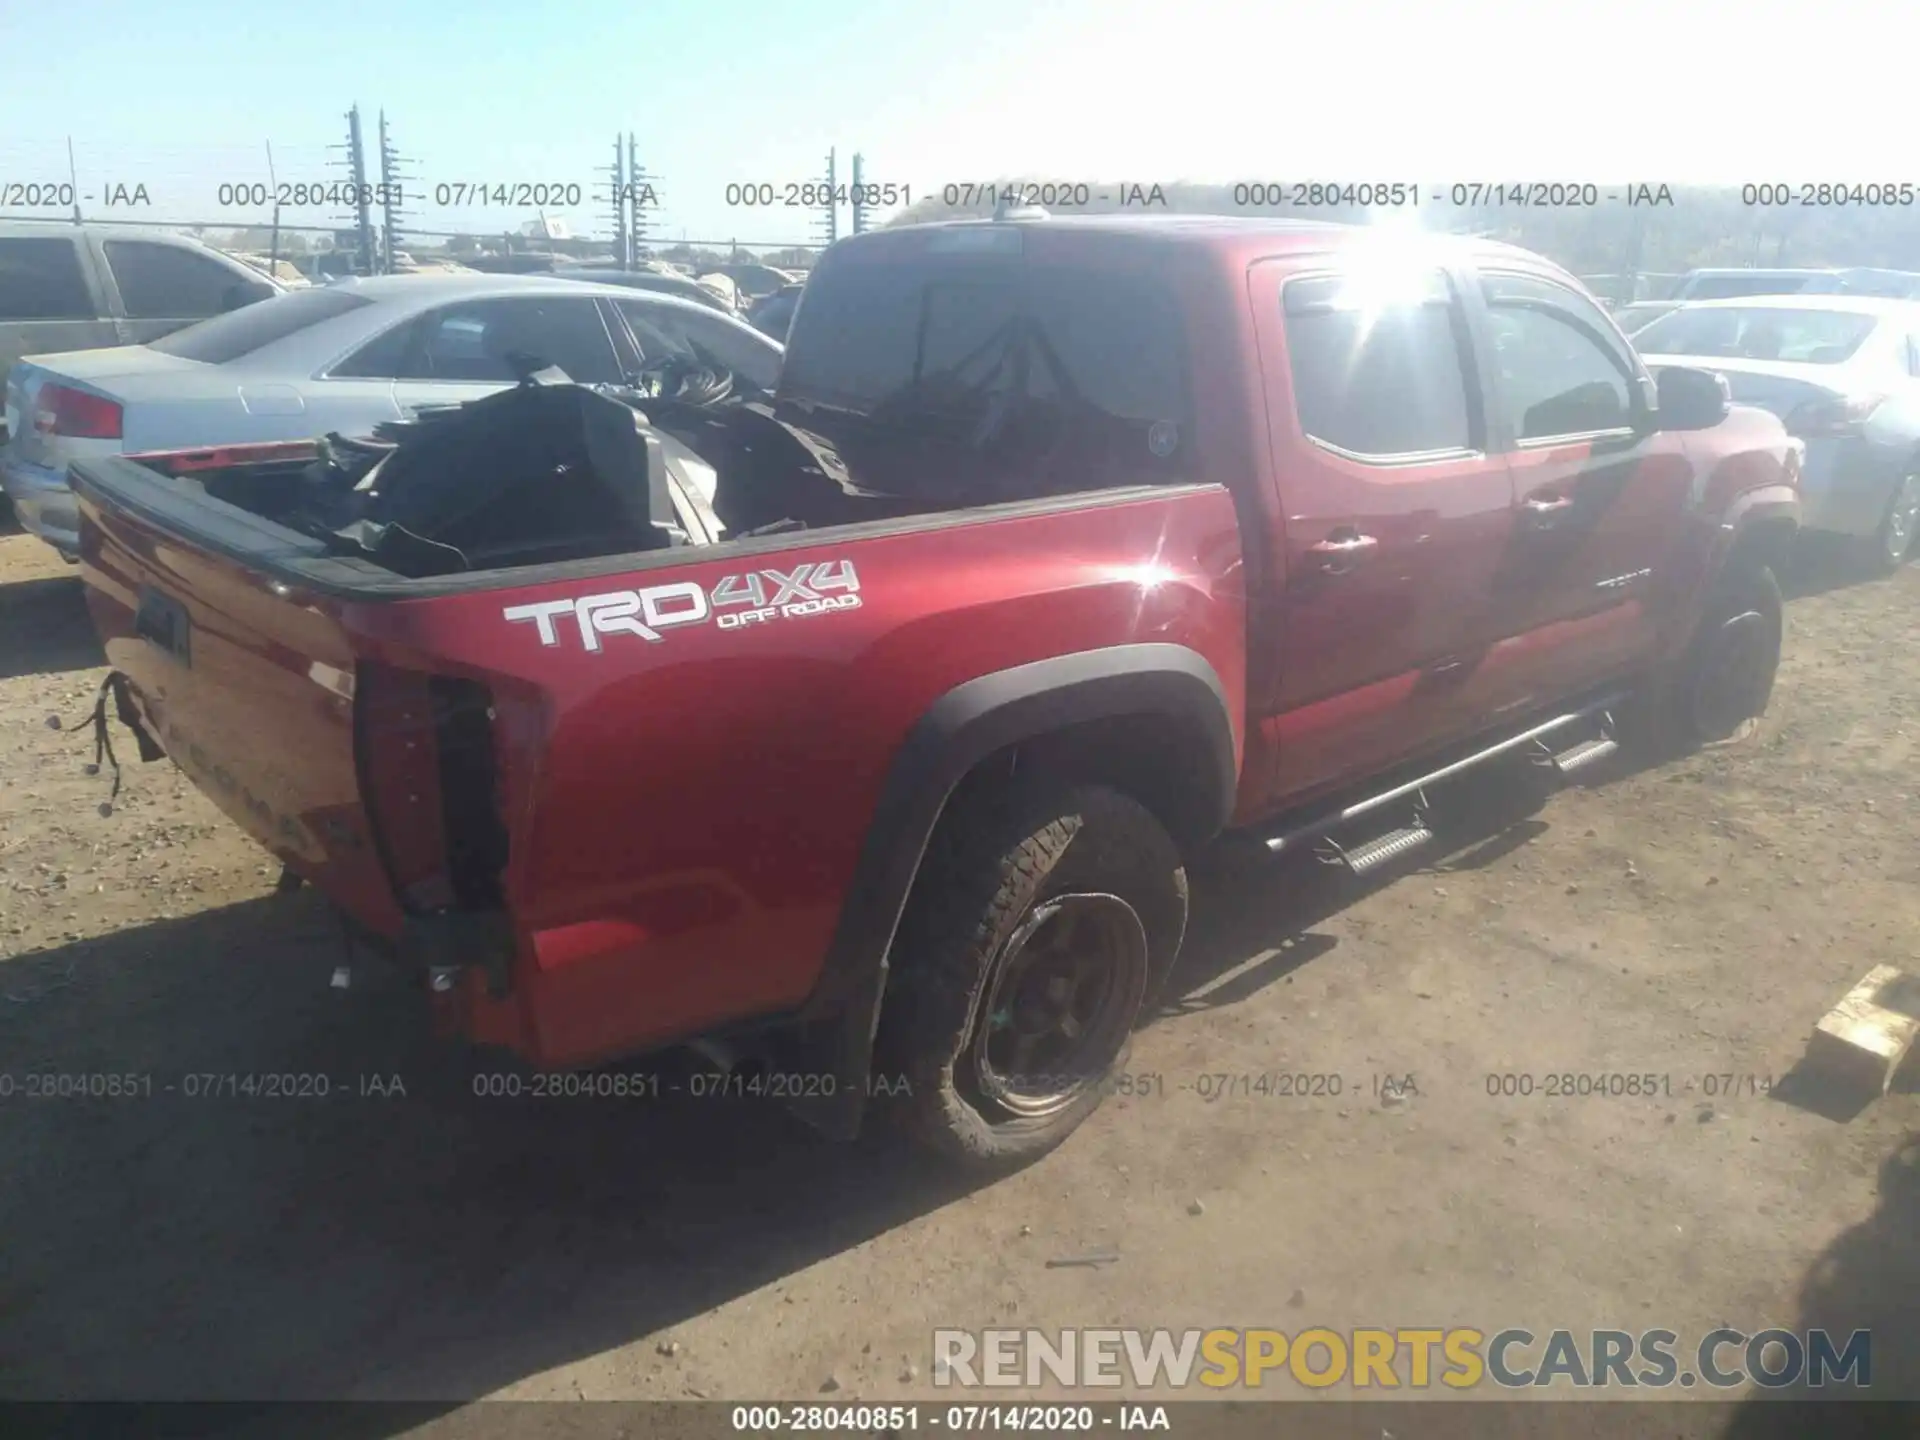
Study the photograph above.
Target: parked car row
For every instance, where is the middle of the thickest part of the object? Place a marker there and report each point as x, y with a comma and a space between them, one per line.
74, 287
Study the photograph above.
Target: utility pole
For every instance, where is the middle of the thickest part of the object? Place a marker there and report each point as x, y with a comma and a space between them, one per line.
830, 219
357, 169
273, 247
859, 198
391, 197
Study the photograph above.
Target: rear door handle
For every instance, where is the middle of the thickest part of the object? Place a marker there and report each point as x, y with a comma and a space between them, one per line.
1337, 556
1545, 510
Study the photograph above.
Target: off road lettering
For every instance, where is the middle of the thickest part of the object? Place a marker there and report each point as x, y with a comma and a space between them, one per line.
771, 594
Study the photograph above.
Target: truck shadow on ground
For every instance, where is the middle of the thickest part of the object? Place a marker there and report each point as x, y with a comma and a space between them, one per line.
45, 628
404, 1235
1865, 1280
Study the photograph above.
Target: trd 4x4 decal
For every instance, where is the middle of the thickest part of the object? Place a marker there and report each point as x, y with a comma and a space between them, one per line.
810, 589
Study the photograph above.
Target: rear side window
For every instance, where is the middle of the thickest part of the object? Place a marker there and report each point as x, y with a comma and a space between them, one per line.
1378, 372
41, 279
241, 332
989, 377
168, 282
482, 341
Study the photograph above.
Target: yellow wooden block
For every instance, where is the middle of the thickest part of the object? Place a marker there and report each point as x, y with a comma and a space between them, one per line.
1866, 1036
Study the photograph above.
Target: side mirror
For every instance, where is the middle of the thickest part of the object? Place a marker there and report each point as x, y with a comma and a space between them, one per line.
1691, 399
244, 292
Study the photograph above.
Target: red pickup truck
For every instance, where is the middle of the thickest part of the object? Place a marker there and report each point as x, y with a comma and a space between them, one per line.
865, 727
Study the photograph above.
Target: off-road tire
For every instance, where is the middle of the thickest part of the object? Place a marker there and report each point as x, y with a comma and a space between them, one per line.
1694, 701
987, 870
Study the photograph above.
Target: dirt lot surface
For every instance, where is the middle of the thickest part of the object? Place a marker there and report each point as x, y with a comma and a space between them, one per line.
1691, 921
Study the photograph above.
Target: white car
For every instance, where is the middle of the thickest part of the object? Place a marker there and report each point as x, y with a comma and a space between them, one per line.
1843, 373
342, 357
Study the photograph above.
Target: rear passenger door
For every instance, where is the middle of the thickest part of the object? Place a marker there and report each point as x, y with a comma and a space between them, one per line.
163, 287
49, 300
1601, 493
1396, 516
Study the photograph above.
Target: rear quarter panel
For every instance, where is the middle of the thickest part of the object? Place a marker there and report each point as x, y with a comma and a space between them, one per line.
686, 815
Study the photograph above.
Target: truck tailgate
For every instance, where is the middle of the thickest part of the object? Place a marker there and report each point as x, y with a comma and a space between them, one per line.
247, 684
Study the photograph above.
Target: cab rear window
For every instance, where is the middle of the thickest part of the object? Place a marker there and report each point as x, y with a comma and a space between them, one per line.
995, 373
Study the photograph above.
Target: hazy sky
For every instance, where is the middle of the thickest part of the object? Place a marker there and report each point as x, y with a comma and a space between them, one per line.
180, 95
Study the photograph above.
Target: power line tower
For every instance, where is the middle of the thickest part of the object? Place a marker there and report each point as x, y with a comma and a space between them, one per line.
622, 235
357, 173
859, 198
830, 213
392, 198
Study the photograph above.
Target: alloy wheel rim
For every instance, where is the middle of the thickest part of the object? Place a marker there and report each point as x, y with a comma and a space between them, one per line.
1903, 519
1059, 1004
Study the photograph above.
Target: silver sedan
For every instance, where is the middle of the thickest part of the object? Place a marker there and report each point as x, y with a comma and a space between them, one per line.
1843, 373
341, 358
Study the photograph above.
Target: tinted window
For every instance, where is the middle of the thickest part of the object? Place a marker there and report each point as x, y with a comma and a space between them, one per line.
167, 282
893, 335
381, 358
41, 279
1378, 374
1755, 332
710, 340
241, 332
474, 341
1559, 373
859, 342
993, 376
1732, 287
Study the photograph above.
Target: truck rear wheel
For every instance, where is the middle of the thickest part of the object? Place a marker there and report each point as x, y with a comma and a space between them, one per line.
1725, 677
1040, 927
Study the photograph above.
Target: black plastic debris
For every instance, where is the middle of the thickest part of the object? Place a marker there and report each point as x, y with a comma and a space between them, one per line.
546, 471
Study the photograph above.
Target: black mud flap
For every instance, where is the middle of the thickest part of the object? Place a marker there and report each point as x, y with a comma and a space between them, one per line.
838, 1048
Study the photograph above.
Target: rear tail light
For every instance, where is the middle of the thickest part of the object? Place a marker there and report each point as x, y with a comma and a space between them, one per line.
425, 745
1833, 416
62, 410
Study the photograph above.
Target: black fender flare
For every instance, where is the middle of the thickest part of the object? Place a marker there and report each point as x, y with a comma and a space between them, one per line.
963, 727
